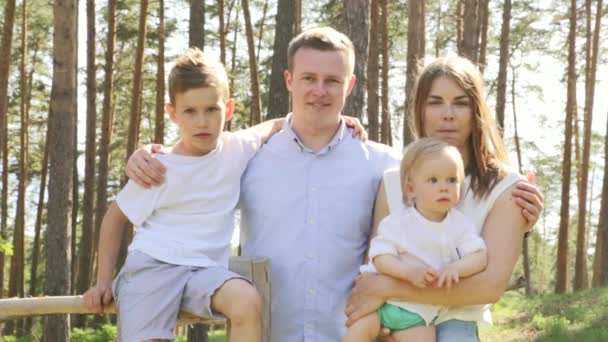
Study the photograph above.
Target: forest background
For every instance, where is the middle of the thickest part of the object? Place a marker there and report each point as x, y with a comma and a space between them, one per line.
70, 115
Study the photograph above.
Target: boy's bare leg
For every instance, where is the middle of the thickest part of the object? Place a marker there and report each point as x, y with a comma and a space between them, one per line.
422, 333
365, 329
240, 302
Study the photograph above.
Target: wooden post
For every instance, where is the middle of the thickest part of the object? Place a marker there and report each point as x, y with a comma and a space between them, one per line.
257, 270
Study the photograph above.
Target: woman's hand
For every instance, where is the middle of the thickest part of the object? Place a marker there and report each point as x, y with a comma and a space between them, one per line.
143, 168
365, 297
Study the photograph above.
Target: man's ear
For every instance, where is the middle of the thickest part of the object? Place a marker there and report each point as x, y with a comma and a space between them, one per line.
229, 109
351, 84
170, 109
288, 79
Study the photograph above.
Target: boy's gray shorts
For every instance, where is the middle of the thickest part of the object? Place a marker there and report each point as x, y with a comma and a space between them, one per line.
149, 294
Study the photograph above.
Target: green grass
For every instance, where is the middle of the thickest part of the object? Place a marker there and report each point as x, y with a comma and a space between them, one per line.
581, 316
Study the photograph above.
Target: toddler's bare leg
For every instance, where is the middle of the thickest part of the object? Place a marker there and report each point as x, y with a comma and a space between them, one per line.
240, 302
421, 333
365, 329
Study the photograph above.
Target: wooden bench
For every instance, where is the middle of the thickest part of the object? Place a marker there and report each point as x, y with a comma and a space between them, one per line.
256, 269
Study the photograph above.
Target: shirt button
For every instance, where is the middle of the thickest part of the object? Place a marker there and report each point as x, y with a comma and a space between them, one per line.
313, 189
311, 221
310, 256
311, 291
308, 325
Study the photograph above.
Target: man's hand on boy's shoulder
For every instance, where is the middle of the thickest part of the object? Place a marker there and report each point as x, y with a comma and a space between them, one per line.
143, 168
357, 126
97, 297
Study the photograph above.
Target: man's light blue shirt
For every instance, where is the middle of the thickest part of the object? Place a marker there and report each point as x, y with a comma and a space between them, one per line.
311, 214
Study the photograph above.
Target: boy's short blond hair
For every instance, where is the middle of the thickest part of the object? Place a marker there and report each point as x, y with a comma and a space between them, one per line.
421, 150
194, 70
322, 39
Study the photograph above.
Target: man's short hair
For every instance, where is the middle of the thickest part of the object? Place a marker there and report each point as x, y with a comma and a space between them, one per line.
323, 39
194, 70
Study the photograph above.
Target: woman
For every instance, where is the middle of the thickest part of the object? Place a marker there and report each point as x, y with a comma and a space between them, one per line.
448, 104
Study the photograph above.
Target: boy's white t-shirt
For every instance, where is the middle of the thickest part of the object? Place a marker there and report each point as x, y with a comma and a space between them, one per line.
435, 243
475, 208
189, 218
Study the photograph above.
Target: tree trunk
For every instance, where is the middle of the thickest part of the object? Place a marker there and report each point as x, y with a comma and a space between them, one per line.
562, 244
580, 271
278, 97
256, 104
415, 53
526, 253
85, 255
5, 61
483, 28
600, 262
222, 29
196, 24
234, 45
198, 333
297, 23
600, 275
16, 284
135, 113
356, 13
159, 126
61, 155
261, 30
470, 30
37, 228
459, 26
503, 62
106, 124
75, 183
386, 128
372, 74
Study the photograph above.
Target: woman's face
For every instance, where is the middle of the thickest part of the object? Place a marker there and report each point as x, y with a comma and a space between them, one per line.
447, 114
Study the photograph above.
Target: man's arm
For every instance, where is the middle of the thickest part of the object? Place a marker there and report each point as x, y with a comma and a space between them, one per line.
110, 238
503, 232
268, 128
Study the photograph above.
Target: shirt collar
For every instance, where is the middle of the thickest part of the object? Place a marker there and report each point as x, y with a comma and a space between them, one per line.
337, 138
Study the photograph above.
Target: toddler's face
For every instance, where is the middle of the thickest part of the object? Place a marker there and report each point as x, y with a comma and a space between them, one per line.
435, 185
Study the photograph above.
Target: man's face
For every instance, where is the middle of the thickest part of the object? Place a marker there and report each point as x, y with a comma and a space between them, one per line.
200, 114
319, 84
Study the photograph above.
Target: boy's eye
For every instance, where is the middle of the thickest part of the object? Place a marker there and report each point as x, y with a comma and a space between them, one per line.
433, 180
212, 109
452, 180
462, 104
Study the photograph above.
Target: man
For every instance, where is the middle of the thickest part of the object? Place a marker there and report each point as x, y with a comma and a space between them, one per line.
307, 196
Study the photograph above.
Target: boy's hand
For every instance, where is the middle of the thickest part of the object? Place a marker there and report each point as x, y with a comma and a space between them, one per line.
358, 129
143, 168
97, 297
422, 276
448, 277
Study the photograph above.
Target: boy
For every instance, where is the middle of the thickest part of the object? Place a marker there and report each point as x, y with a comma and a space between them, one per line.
179, 256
